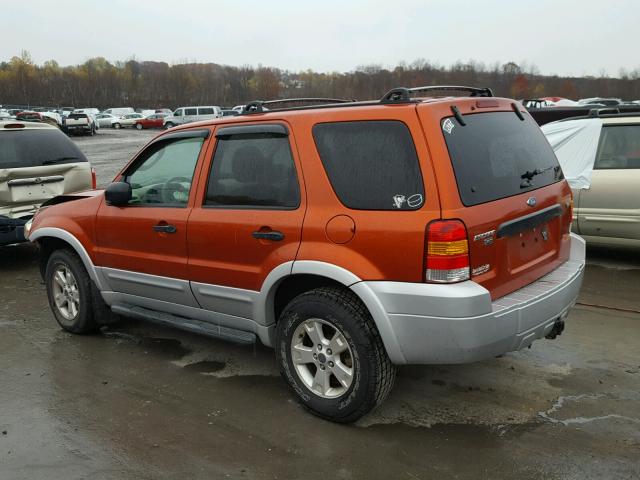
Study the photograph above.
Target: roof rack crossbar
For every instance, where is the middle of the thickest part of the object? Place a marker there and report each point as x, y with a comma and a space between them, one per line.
403, 95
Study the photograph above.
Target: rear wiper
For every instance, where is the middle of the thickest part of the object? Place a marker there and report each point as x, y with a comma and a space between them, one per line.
58, 160
529, 174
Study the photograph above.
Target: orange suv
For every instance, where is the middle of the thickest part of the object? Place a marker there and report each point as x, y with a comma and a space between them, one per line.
351, 237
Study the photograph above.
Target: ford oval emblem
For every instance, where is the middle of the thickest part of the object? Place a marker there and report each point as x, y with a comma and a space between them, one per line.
531, 201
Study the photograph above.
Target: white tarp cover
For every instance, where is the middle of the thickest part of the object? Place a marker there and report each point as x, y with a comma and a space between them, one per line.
575, 143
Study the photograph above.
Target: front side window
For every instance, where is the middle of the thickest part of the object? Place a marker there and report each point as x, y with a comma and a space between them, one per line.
372, 165
253, 171
205, 111
619, 148
165, 174
177, 113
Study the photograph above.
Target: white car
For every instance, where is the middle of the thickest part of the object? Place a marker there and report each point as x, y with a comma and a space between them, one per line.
127, 120
105, 120
184, 115
119, 111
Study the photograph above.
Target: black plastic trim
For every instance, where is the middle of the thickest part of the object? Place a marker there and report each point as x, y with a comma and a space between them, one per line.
182, 134
268, 128
516, 109
528, 222
458, 115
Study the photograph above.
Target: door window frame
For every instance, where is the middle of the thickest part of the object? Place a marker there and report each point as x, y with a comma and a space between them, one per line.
258, 127
167, 139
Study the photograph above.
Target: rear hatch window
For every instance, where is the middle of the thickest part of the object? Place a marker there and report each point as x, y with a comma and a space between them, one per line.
372, 165
76, 116
21, 148
497, 155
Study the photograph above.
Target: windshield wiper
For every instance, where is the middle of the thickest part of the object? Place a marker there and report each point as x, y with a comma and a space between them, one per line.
53, 161
529, 174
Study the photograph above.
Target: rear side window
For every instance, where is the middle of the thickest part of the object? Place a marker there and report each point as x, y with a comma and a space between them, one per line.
372, 165
619, 148
37, 147
253, 171
205, 111
190, 111
497, 155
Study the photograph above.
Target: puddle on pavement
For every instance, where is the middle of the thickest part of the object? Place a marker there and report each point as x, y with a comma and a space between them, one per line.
206, 366
162, 346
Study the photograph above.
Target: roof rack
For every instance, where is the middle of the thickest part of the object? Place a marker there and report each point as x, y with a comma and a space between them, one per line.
397, 95
621, 109
257, 106
403, 95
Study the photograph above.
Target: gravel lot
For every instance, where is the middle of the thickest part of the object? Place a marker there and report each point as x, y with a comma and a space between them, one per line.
143, 402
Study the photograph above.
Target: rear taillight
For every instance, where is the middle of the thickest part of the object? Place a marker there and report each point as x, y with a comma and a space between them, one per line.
447, 252
94, 179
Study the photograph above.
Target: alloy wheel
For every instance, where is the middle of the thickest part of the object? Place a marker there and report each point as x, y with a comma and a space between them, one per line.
322, 358
66, 294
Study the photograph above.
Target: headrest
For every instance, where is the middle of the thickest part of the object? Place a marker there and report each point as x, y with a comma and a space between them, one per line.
249, 165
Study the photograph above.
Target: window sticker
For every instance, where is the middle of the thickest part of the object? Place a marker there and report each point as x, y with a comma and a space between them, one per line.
448, 125
398, 200
413, 201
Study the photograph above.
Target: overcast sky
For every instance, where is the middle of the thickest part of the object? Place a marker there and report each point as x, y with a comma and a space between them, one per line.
566, 37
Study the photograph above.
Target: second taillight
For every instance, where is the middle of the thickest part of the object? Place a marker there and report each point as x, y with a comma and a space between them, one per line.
447, 252
94, 180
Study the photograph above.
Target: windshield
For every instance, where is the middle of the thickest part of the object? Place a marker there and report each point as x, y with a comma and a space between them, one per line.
497, 155
36, 147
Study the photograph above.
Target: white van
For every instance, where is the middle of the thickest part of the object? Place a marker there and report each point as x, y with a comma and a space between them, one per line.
118, 112
184, 115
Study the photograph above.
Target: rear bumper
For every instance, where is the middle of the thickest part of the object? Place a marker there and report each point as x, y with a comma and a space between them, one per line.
436, 324
12, 230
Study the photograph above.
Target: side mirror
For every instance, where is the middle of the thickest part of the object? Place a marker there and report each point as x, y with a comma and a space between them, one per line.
118, 194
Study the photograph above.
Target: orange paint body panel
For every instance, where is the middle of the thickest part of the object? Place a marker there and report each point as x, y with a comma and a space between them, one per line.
216, 245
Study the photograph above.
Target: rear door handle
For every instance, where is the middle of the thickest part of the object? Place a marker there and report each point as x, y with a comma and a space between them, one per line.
272, 235
165, 228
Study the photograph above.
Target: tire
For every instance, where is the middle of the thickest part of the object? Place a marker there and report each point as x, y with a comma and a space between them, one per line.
139, 126
337, 312
117, 126
90, 311
168, 125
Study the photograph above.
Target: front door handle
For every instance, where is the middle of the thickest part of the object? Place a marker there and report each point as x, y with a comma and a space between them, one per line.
165, 228
268, 235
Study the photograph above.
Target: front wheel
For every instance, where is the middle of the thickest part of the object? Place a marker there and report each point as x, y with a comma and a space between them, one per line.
168, 125
331, 355
117, 126
138, 126
74, 301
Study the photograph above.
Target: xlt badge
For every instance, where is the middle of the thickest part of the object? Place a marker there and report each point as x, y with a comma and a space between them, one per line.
486, 237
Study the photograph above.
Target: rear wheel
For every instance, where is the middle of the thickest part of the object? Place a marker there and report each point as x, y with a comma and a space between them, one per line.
331, 355
117, 126
139, 126
169, 125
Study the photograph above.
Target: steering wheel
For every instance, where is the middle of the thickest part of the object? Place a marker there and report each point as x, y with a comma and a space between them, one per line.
174, 186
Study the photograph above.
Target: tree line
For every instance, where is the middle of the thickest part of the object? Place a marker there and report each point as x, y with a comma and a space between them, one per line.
102, 84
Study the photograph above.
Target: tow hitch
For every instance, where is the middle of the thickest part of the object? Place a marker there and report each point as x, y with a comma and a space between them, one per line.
557, 329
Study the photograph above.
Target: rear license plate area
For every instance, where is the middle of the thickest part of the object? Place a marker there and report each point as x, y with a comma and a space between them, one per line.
528, 248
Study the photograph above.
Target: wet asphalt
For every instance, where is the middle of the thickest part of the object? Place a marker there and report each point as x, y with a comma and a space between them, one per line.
138, 401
